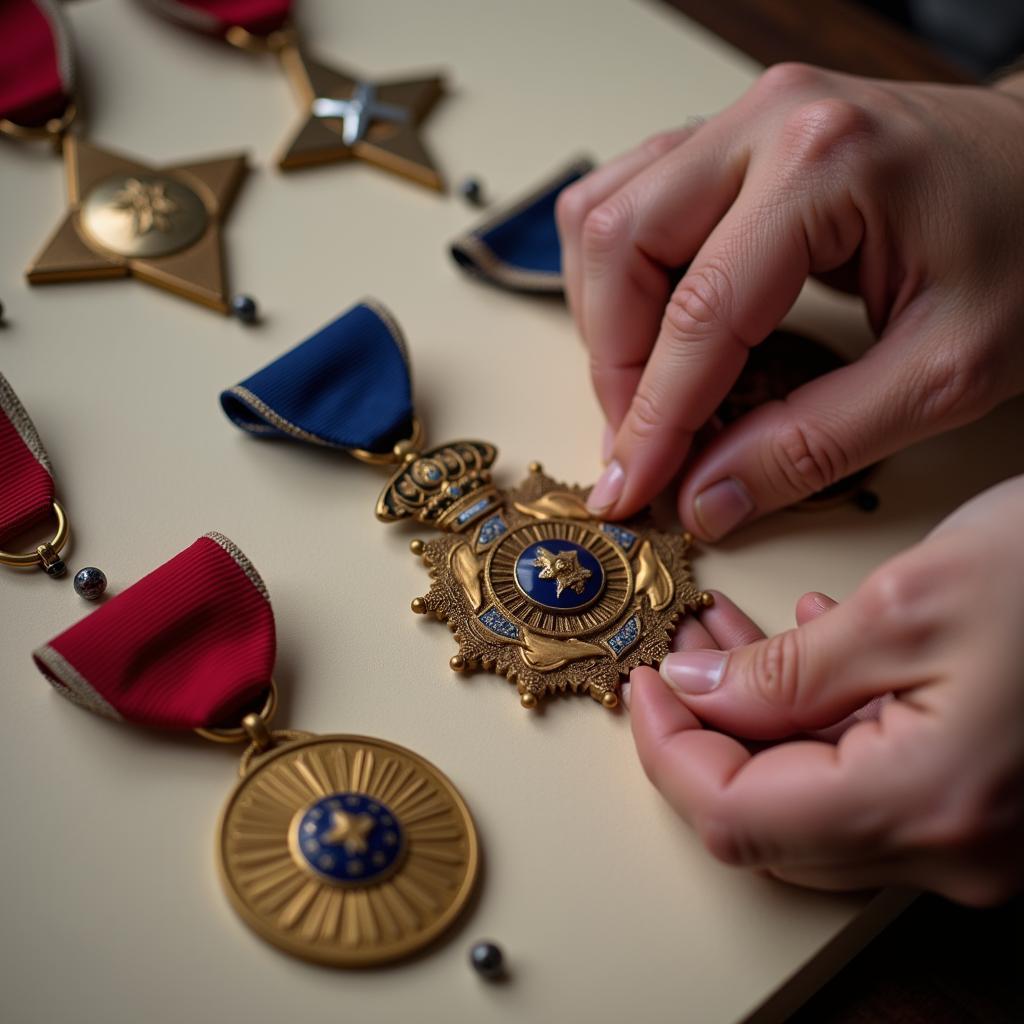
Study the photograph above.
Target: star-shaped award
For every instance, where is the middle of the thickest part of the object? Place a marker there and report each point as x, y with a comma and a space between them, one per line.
564, 568
346, 117
125, 219
350, 831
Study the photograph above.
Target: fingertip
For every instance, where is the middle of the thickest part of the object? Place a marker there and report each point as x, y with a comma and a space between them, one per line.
728, 624
811, 605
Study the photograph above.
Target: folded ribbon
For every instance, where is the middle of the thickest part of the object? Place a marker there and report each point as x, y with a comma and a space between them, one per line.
345, 387
186, 647
26, 479
518, 247
36, 62
216, 17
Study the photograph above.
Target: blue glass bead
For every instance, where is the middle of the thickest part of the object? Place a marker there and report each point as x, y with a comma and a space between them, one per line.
90, 582
487, 960
244, 307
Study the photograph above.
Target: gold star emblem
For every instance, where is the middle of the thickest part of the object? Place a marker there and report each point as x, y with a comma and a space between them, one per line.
564, 568
346, 118
125, 218
349, 830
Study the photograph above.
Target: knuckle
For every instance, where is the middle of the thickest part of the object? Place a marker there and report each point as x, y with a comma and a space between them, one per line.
820, 131
645, 418
698, 302
789, 77
892, 591
570, 209
805, 456
605, 226
955, 390
659, 144
776, 670
726, 842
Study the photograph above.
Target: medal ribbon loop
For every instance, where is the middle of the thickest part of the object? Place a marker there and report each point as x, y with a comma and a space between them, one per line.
345, 387
26, 479
37, 70
187, 647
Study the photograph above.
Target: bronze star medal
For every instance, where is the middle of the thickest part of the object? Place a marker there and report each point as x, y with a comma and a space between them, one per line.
349, 118
531, 584
126, 218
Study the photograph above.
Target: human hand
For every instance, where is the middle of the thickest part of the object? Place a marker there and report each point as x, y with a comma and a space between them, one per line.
928, 792
906, 193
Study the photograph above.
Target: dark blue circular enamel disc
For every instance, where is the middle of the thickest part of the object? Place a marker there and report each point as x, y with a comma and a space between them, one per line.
349, 839
544, 565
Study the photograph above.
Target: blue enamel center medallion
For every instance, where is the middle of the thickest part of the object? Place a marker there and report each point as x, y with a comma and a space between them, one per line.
349, 839
559, 575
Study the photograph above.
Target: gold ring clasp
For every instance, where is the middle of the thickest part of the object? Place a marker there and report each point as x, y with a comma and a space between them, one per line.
239, 733
54, 129
398, 454
60, 538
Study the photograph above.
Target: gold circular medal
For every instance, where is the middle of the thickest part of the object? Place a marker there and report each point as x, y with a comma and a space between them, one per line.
137, 215
347, 850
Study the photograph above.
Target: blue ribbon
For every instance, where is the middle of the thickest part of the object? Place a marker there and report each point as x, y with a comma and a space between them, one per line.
345, 387
518, 247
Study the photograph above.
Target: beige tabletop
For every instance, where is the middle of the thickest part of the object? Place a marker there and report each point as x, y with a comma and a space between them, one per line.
606, 905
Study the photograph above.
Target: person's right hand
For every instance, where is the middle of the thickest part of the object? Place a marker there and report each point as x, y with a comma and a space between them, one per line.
928, 793
910, 194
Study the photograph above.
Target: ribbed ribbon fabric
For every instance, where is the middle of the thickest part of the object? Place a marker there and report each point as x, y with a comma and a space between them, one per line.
36, 62
518, 247
26, 480
186, 647
258, 17
345, 387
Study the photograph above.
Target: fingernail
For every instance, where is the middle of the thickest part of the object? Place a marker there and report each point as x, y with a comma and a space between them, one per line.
624, 694
606, 491
693, 672
607, 442
721, 507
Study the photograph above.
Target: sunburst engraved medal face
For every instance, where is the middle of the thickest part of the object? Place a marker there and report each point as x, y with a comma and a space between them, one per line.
347, 850
143, 215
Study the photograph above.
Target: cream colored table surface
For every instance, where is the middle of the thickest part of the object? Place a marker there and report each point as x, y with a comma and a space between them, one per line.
606, 905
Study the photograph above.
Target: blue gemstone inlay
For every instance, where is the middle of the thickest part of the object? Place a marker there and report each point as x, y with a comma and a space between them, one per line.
625, 637
549, 566
433, 473
349, 839
473, 511
491, 530
497, 623
623, 537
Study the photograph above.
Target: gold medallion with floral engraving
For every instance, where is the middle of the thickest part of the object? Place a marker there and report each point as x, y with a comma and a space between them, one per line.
346, 850
533, 587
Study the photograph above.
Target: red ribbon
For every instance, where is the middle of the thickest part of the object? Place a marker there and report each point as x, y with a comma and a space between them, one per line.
26, 480
186, 647
258, 17
36, 62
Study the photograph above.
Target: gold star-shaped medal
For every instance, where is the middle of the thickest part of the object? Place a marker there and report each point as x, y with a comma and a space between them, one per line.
350, 831
564, 568
346, 117
128, 219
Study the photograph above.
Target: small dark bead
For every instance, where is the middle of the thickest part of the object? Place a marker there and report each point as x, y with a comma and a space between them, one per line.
866, 501
90, 582
244, 307
472, 191
487, 960
57, 569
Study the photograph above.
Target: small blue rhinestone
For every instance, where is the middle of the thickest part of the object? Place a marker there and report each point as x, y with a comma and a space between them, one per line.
244, 307
90, 582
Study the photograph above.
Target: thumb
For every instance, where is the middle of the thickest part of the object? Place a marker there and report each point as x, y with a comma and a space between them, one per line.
806, 678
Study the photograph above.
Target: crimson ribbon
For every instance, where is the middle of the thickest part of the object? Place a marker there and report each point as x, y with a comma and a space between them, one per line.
26, 480
257, 17
188, 646
37, 69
